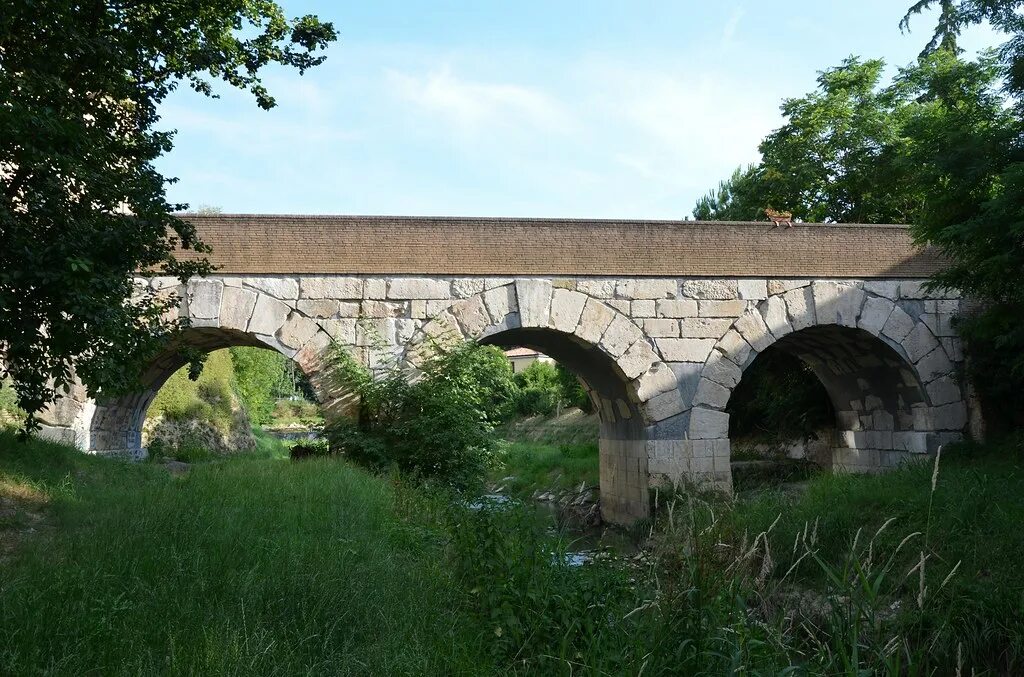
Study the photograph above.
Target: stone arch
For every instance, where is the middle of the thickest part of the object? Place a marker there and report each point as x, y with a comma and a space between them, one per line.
222, 314
633, 390
892, 384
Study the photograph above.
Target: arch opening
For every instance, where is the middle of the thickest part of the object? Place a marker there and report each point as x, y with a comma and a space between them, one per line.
622, 439
880, 409
116, 424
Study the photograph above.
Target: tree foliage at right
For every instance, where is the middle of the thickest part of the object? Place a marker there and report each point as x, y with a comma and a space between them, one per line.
941, 147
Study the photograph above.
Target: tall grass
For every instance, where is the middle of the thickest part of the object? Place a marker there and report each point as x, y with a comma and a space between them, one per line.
236, 568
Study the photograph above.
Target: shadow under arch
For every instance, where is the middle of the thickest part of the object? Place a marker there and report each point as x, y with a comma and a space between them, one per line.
116, 423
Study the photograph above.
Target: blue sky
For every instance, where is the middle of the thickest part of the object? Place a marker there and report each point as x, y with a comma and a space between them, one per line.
562, 109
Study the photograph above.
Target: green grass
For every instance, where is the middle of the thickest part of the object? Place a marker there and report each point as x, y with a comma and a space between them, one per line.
261, 566
543, 467
241, 567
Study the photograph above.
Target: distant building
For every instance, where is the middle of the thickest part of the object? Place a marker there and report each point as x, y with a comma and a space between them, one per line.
521, 358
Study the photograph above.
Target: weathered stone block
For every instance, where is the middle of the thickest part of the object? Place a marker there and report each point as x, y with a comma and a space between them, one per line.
753, 290
661, 328
800, 308
204, 298
919, 342
685, 350
655, 381
952, 416
731, 309
342, 330
826, 299
437, 306
419, 288
236, 307
464, 287
594, 321
331, 288
642, 308
754, 331
646, 289
566, 309
375, 288
676, 308
735, 347
534, 302
898, 325
722, 290
874, 314
285, 288
703, 327
711, 394
621, 305
296, 331
664, 406
933, 365
722, 370
887, 288
268, 315
637, 359
378, 309
471, 315
708, 424
774, 312
621, 334
599, 288
851, 300
783, 286
500, 301
318, 308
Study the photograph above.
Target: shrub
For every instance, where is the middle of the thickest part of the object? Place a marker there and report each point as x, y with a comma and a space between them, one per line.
438, 425
545, 387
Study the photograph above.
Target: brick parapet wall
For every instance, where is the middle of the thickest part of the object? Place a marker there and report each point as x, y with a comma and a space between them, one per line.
269, 244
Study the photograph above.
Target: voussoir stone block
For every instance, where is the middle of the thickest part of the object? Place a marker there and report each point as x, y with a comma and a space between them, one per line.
236, 307
851, 300
637, 359
268, 315
204, 298
657, 380
419, 288
296, 330
800, 307
534, 302
898, 325
566, 309
934, 365
754, 331
620, 334
875, 314
722, 370
665, 405
500, 301
826, 300
735, 347
919, 342
943, 390
775, 317
594, 321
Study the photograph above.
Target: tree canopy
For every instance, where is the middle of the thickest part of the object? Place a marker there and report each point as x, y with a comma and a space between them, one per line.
82, 207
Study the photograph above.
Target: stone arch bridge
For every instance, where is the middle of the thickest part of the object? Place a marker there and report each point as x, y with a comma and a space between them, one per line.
659, 319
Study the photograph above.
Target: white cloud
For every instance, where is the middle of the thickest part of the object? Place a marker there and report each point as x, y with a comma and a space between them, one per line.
477, 106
